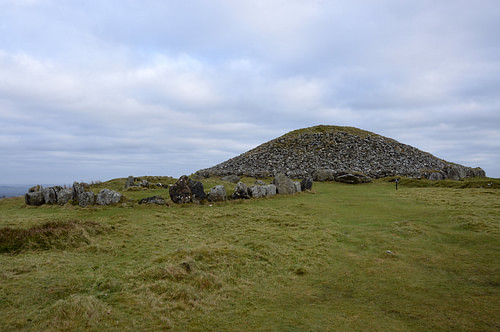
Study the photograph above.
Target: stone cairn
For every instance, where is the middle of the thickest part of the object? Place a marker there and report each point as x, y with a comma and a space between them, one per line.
351, 155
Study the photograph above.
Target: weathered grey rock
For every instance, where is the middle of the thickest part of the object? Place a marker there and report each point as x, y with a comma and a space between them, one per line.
306, 183
271, 189
284, 185
231, 178
180, 191
130, 182
436, 176
455, 172
34, 198
257, 191
217, 194
79, 188
241, 191
197, 190
49, 195
477, 172
352, 178
298, 187
64, 196
259, 183
86, 198
153, 200
322, 175
107, 197
145, 184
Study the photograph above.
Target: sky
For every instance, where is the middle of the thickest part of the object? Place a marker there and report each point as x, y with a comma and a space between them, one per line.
96, 90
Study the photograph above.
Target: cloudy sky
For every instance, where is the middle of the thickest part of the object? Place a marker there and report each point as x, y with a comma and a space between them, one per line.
94, 90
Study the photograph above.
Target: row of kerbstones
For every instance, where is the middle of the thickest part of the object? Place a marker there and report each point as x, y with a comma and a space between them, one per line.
80, 194
186, 190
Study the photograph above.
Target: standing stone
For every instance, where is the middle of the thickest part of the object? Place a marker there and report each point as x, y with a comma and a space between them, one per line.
262, 191
79, 188
86, 198
257, 191
217, 194
241, 191
270, 189
306, 183
49, 195
284, 185
63, 196
34, 198
130, 182
107, 196
323, 175
180, 191
197, 190
297, 185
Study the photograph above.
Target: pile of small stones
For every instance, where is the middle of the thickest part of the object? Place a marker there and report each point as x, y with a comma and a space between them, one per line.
300, 154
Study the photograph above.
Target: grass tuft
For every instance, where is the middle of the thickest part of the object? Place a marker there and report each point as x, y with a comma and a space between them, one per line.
53, 234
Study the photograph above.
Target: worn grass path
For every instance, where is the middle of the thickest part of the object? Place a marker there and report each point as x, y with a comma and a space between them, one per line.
339, 258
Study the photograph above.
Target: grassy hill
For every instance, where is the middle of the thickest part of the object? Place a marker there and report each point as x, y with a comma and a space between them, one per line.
341, 257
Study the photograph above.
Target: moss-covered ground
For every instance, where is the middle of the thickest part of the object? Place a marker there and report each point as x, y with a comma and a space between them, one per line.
341, 257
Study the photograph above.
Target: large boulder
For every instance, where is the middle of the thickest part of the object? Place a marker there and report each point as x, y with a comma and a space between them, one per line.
298, 187
34, 198
352, 178
217, 194
130, 182
455, 172
153, 200
180, 191
107, 196
231, 178
64, 196
50, 194
241, 191
306, 183
284, 185
197, 190
257, 191
79, 188
86, 198
476, 172
322, 175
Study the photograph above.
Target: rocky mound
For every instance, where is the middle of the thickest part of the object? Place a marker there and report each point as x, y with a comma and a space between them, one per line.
340, 149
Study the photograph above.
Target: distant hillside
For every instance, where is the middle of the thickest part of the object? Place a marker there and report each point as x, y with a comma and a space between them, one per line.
12, 191
342, 149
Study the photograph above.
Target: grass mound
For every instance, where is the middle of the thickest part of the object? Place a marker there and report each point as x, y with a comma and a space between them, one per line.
77, 312
52, 234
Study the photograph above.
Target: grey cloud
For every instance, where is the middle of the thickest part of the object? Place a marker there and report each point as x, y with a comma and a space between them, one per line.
172, 87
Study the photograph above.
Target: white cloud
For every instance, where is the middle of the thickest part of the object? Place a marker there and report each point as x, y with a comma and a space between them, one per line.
173, 87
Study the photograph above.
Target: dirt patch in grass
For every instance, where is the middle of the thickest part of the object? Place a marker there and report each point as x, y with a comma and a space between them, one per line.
52, 234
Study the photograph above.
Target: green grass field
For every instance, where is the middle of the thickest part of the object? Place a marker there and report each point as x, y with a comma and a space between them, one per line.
339, 258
